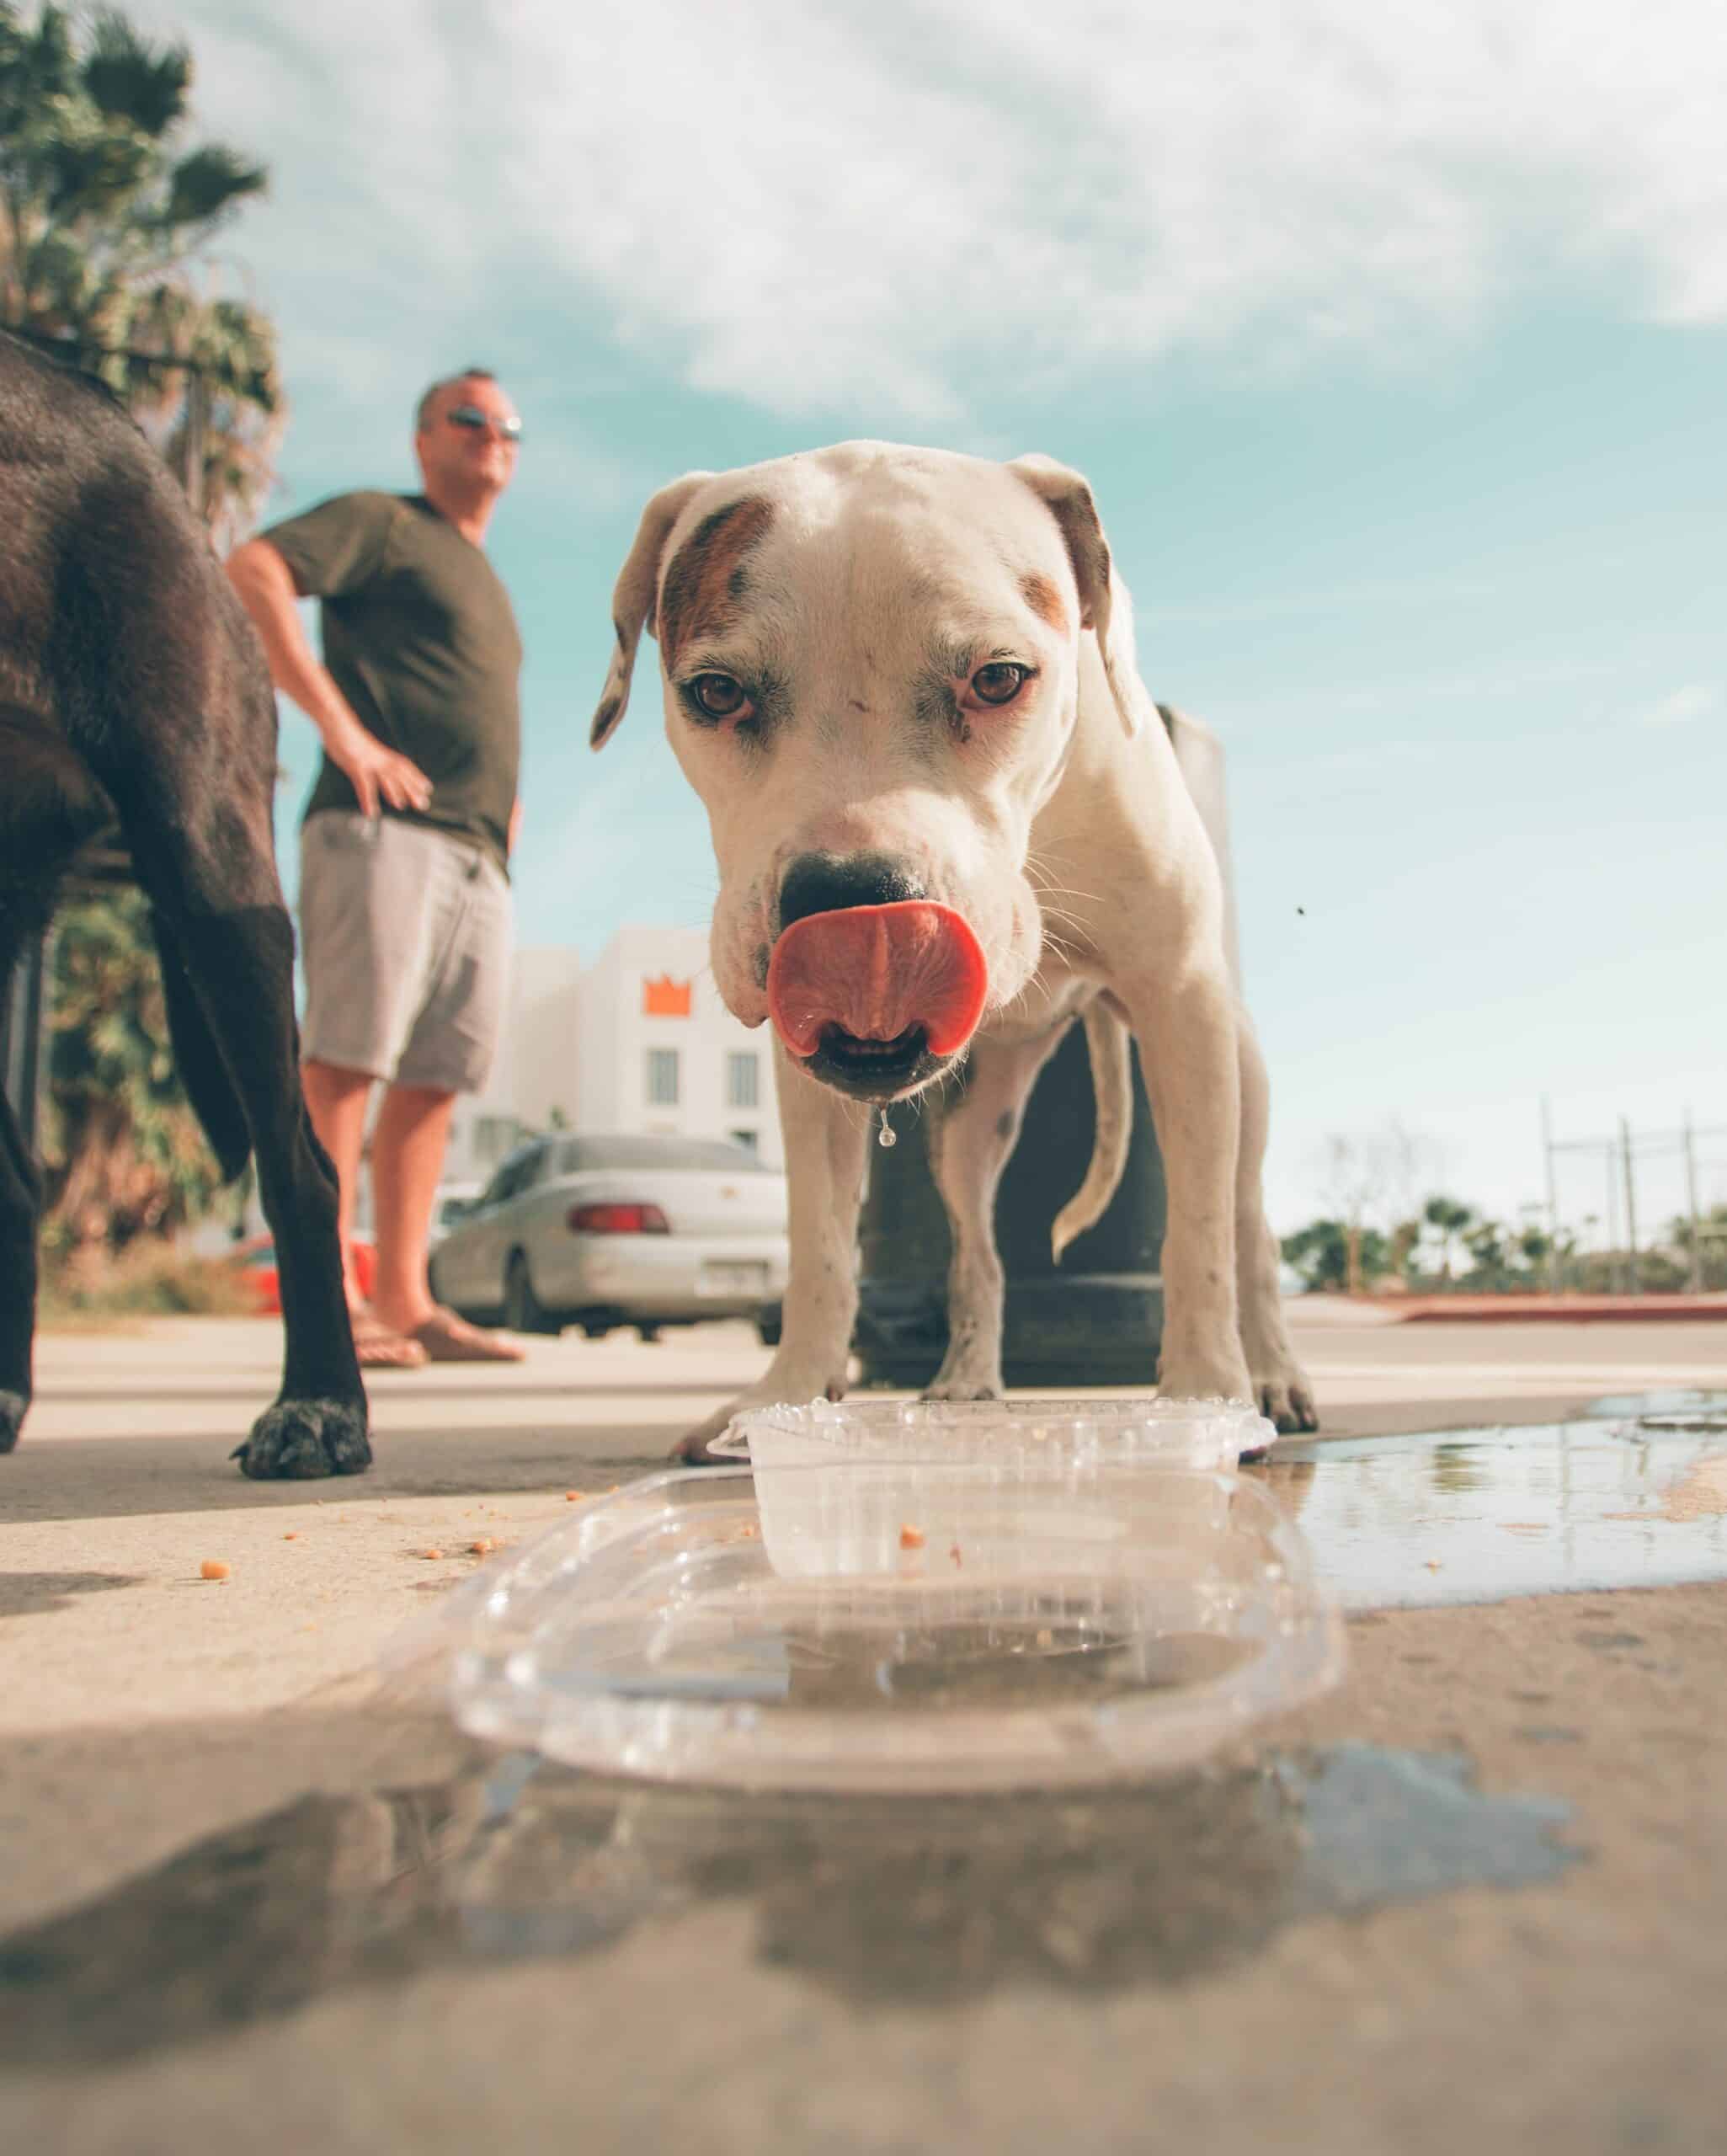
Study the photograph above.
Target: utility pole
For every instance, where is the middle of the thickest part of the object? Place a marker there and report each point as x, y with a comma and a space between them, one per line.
1630, 1207
1696, 1240
1553, 1199
1608, 1153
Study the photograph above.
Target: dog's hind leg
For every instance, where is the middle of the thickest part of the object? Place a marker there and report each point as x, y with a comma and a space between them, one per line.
973, 1135
197, 1060
20, 1197
197, 814
238, 946
48, 802
1280, 1386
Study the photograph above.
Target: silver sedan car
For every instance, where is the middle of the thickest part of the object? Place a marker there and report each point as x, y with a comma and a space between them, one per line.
605, 1231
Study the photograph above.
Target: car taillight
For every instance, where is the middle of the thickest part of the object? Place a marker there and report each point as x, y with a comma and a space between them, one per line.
618, 1220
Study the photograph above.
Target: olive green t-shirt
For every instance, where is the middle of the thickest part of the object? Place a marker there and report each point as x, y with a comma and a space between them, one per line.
420, 637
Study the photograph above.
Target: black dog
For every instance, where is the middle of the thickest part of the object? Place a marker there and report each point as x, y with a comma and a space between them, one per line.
132, 688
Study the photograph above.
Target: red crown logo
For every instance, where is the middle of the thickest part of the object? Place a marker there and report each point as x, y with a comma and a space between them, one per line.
666, 998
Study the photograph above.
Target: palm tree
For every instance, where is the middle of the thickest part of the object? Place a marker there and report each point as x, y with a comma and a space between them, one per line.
1450, 1216
107, 217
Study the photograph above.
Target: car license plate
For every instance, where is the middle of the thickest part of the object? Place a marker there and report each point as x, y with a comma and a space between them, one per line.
718, 1278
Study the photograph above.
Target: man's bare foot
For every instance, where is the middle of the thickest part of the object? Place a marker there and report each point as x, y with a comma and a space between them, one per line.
447, 1338
380, 1346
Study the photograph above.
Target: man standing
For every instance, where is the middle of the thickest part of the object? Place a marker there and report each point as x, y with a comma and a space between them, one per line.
404, 900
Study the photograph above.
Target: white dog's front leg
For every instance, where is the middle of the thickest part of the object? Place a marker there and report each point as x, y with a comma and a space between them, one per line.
1185, 1020
1281, 1385
973, 1135
824, 1137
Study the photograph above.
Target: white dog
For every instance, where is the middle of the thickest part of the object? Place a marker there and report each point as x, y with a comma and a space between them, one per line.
948, 821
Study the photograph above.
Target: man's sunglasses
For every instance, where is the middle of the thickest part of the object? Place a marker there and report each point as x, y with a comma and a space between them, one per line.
476, 421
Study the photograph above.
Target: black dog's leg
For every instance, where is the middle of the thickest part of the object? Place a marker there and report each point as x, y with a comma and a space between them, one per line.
20, 1197
204, 852
171, 708
48, 802
243, 964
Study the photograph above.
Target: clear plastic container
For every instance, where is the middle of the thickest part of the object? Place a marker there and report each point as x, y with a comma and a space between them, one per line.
1079, 1626
898, 1456
1142, 1431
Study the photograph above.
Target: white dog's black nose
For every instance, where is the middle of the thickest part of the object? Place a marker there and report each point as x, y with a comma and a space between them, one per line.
829, 883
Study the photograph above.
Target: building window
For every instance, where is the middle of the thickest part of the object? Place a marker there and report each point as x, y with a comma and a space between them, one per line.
662, 1077
750, 1140
742, 1079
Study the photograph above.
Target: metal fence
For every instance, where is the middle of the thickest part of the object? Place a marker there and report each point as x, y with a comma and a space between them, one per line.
1625, 1162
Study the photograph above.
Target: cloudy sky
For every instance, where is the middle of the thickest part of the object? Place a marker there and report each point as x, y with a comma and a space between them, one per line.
1394, 338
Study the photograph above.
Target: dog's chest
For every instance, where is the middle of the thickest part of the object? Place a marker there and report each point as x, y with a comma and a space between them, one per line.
1056, 997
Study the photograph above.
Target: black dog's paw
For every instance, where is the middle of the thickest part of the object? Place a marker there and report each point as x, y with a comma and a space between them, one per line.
303, 1440
13, 1407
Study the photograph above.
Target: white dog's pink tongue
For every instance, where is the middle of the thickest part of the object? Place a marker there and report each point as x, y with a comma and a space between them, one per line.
875, 971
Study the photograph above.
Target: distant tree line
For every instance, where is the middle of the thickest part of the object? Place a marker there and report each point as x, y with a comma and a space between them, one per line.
1445, 1246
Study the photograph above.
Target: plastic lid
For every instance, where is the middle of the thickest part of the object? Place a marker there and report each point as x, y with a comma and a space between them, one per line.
948, 1628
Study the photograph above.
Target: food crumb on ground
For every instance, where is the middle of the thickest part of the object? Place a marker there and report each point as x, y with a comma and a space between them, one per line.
292, 1535
953, 1552
482, 1546
911, 1538
213, 1568
428, 1553
573, 1497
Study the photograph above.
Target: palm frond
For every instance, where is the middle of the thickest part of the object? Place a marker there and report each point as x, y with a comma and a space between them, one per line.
208, 183
130, 78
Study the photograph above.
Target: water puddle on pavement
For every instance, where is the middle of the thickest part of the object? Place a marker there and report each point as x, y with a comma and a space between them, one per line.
916, 1903
1634, 1495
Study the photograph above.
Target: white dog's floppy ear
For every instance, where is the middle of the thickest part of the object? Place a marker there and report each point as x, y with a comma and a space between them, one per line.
634, 597
1104, 603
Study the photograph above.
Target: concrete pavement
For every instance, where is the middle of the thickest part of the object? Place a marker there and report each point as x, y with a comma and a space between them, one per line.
830, 1987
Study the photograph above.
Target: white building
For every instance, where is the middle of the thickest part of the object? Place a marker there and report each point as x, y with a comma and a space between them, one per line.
660, 1053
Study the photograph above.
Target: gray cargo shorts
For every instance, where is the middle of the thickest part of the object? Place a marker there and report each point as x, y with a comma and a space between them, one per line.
405, 935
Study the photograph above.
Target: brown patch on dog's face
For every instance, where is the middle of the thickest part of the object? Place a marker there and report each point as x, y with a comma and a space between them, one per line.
1045, 601
705, 581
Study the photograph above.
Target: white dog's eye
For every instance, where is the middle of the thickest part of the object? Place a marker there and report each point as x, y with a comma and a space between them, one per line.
717, 696
1000, 683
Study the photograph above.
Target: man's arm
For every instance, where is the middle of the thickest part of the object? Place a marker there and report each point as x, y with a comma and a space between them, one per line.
265, 585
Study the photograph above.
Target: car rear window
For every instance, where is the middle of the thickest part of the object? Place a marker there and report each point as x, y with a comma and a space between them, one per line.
631, 1154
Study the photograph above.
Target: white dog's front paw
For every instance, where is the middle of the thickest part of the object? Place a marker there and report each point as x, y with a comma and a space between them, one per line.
1204, 1377
960, 1389
792, 1389
1285, 1397
966, 1377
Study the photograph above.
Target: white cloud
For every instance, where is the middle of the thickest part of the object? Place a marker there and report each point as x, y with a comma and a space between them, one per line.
1694, 700
825, 206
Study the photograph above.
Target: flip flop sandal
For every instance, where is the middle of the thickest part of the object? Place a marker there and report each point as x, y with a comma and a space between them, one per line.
377, 1347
